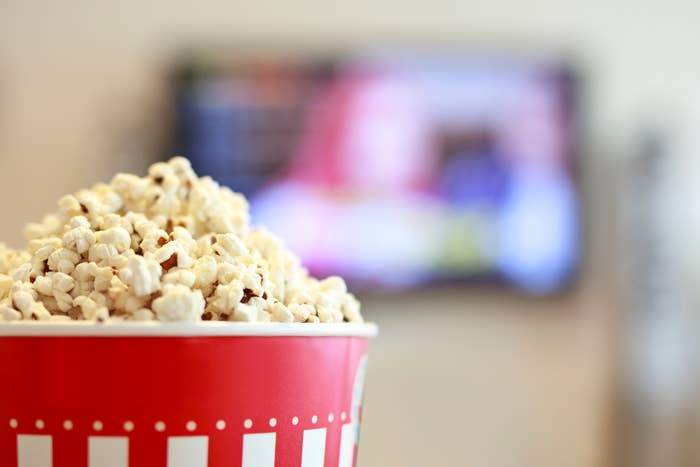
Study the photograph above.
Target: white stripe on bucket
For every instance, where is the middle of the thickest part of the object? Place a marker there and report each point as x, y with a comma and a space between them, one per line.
314, 449
188, 451
191, 451
34, 451
347, 445
108, 451
259, 450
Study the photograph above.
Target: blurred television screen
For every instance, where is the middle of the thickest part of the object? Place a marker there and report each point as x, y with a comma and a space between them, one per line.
395, 170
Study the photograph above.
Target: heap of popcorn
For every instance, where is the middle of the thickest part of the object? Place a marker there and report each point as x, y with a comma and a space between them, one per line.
170, 247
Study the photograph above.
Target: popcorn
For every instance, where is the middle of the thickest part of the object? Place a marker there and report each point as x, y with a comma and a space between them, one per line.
229, 246
227, 272
38, 312
179, 303
205, 271
180, 276
63, 260
5, 285
245, 313
281, 313
80, 237
153, 238
43, 285
143, 314
130, 187
64, 301
51, 225
102, 278
226, 297
92, 310
327, 315
142, 275
70, 206
22, 273
11, 259
351, 309
173, 254
301, 313
263, 316
9, 314
168, 246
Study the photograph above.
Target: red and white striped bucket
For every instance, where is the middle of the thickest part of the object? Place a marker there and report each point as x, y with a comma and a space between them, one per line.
181, 395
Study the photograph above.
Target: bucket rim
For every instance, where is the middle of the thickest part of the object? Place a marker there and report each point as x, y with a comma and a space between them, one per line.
184, 329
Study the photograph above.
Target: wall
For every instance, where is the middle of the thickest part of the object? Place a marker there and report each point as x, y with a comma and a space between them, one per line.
71, 70
457, 378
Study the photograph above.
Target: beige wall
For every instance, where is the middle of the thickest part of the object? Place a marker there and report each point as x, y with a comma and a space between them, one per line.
69, 71
473, 380
456, 378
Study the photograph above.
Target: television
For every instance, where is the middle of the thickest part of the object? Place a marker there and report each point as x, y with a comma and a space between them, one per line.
395, 169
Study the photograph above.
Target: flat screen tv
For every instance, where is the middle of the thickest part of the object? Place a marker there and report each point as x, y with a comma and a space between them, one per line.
395, 169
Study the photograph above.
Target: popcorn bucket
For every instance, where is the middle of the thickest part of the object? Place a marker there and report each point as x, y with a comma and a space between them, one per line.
181, 395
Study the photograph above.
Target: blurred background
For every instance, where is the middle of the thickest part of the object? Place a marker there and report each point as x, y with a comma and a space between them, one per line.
510, 188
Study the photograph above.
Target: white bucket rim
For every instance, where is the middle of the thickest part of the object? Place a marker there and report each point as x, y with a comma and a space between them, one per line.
183, 329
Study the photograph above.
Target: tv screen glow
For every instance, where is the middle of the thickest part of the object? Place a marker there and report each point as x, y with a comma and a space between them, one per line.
395, 170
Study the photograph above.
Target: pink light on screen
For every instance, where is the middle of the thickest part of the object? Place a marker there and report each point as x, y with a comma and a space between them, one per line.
372, 133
